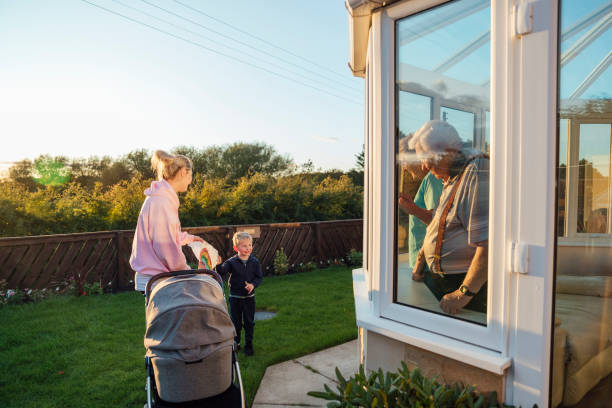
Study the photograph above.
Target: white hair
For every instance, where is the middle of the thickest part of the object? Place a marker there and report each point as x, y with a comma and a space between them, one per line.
434, 138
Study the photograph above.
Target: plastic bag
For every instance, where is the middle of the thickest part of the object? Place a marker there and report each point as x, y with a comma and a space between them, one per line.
206, 253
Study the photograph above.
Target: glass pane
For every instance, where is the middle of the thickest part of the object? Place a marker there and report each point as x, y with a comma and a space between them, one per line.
413, 111
562, 176
487, 146
462, 121
594, 178
450, 85
582, 337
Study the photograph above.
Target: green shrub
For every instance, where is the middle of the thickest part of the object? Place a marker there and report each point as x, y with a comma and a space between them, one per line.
281, 263
107, 194
92, 289
354, 258
17, 296
306, 267
405, 388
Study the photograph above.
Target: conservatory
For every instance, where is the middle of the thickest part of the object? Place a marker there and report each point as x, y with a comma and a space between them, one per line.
525, 88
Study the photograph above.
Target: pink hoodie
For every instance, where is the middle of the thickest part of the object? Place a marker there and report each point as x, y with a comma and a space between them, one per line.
158, 239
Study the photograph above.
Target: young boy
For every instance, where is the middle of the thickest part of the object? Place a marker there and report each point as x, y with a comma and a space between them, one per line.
244, 276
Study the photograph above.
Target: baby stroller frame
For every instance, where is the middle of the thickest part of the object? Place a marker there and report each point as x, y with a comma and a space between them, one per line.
233, 396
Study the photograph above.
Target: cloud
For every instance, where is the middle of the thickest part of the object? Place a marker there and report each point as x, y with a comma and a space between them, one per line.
326, 139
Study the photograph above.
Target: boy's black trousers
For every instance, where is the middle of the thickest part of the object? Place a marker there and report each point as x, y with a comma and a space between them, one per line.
243, 310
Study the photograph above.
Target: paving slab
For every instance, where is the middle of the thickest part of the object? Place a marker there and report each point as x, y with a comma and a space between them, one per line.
344, 356
285, 385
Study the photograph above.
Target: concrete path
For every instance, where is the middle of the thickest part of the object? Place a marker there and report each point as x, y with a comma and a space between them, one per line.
286, 384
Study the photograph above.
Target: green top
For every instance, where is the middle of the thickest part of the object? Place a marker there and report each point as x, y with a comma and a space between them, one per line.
427, 197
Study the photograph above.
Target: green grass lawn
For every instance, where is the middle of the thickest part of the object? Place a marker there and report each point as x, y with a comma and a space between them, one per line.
88, 351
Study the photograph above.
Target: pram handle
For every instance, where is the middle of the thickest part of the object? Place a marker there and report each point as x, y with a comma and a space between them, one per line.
173, 274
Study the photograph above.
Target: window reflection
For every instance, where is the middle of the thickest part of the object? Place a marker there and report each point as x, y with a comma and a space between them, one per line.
582, 335
442, 174
413, 111
594, 178
463, 122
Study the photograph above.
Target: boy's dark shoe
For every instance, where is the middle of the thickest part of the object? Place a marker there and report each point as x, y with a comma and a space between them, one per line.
248, 350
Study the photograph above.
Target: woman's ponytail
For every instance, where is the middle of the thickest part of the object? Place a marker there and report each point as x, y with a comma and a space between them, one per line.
166, 165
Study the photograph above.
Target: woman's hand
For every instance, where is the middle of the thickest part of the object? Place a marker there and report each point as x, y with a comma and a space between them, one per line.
197, 239
418, 272
407, 204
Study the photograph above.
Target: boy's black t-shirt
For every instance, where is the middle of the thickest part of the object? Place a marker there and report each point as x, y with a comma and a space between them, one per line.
240, 272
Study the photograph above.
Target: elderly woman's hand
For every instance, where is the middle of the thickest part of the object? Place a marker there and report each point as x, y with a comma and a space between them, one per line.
418, 272
407, 204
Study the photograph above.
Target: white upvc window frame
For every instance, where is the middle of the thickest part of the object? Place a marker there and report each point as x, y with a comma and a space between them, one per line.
463, 337
571, 237
523, 120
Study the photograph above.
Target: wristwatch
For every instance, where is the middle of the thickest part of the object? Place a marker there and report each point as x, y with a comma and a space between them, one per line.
464, 289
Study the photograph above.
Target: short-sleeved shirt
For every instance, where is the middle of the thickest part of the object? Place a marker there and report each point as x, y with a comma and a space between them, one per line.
426, 197
467, 222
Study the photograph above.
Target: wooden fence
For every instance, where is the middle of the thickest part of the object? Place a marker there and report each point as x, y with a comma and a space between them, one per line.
50, 260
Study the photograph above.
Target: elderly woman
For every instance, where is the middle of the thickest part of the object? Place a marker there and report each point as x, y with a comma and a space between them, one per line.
455, 248
426, 198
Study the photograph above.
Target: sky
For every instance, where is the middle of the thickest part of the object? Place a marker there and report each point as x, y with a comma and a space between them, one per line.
79, 81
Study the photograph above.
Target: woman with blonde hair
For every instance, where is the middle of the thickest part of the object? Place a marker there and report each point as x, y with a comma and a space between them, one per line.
158, 238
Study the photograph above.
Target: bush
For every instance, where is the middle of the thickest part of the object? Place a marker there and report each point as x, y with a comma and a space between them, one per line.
306, 267
17, 296
78, 286
92, 289
281, 263
405, 388
107, 194
354, 258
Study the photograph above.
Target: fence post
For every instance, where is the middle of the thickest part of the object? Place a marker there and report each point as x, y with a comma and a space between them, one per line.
119, 281
229, 243
318, 238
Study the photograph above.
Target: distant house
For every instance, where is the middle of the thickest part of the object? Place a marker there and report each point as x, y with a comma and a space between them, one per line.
529, 83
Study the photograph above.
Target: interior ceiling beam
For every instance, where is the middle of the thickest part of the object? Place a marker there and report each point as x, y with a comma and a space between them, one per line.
464, 52
586, 39
593, 75
585, 21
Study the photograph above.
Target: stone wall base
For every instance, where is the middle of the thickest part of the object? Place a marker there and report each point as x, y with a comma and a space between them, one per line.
379, 351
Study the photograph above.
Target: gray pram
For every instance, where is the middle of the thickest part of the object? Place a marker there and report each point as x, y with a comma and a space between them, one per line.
190, 358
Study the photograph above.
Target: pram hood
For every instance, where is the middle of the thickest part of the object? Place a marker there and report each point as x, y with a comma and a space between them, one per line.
187, 319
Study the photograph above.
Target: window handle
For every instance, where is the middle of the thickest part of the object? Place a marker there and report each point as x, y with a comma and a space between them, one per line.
519, 257
523, 18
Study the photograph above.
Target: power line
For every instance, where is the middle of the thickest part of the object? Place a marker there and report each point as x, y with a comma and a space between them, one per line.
223, 45
258, 38
217, 52
246, 44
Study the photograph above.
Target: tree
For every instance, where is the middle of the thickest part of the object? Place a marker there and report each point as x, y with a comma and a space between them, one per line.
245, 159
232, 162
21, 172
116, 172
205, 161
360, 157
139, 161
95, 166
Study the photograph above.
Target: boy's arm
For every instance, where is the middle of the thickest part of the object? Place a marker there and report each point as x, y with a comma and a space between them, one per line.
223, 269
258, 275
